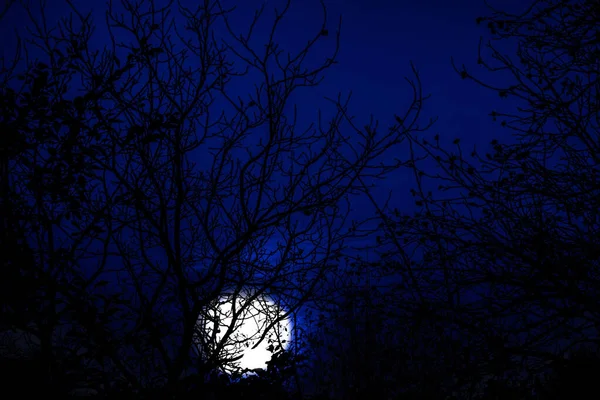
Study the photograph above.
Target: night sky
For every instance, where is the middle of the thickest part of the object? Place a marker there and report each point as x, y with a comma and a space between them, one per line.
379, 40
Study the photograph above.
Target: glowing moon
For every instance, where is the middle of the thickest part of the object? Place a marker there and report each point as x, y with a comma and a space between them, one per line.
244, 321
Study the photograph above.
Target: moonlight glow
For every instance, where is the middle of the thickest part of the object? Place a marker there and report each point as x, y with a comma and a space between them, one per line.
244, 322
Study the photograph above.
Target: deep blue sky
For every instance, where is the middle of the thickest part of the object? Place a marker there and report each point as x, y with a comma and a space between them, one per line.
379, 40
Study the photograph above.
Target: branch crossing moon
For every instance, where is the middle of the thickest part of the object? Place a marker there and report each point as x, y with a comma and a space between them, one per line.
236, 324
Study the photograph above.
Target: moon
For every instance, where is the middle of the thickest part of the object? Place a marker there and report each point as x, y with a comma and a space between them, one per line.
244, 320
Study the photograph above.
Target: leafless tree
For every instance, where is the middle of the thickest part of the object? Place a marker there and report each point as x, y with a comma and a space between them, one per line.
159, 185
506, 250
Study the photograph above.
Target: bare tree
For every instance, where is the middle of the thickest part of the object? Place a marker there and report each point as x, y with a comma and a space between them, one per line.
161, 187
506, 251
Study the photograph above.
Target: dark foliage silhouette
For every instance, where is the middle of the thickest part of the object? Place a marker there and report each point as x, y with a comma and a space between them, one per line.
137, 186
574, 377
506, 250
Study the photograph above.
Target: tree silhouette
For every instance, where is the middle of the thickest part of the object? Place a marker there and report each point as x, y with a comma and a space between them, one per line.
375, 344
573, 376
507, 250
139, 185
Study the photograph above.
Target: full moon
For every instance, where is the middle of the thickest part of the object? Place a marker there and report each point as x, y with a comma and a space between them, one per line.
238, 323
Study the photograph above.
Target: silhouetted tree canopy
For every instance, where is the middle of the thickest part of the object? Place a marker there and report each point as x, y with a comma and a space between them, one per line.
140, 184
507, 242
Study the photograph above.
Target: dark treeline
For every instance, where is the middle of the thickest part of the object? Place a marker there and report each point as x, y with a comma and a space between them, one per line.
138, 185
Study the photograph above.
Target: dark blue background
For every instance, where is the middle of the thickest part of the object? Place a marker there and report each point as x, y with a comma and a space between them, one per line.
379, 39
